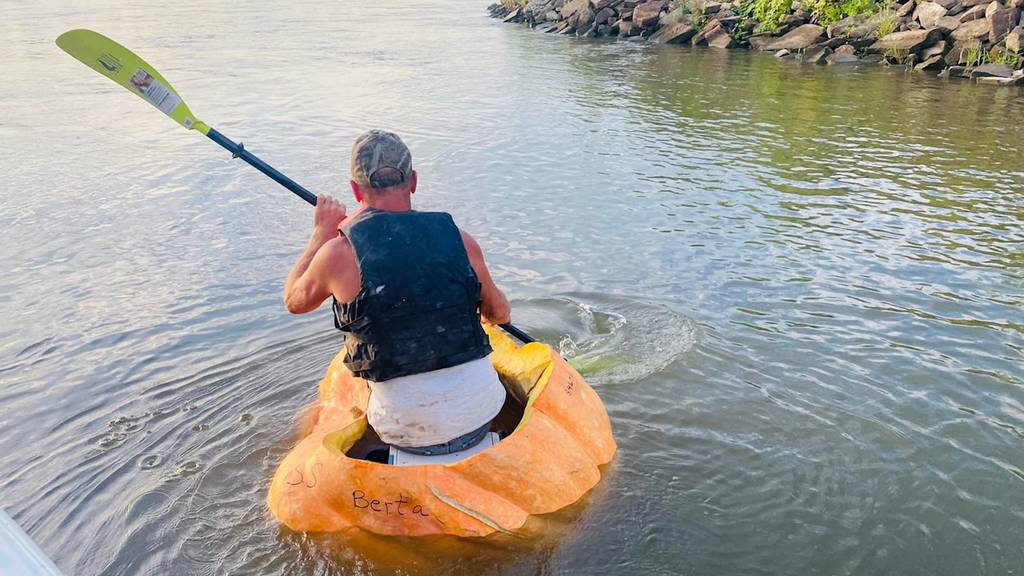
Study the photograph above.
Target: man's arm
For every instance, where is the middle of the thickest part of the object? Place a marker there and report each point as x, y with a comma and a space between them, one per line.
308, 283
495, 307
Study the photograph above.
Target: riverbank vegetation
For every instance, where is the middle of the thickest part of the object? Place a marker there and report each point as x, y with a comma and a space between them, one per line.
975, 39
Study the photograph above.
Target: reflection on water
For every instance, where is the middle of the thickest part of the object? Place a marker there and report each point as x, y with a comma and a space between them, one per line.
798, 289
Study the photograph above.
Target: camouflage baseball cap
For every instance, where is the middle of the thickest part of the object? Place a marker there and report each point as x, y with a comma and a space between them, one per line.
380, 160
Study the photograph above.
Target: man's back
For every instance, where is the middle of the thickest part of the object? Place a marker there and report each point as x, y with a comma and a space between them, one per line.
333, 270
417, 306
410, 291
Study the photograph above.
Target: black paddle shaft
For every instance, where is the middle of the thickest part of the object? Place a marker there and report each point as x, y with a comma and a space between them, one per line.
239, 151
517, 333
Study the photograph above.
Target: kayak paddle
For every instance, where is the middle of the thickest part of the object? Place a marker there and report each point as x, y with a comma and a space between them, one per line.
133, 73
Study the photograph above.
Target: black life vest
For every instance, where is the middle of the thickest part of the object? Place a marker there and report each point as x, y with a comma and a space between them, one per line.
418, 306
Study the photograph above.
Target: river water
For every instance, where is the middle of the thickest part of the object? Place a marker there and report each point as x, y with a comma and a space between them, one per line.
799, 290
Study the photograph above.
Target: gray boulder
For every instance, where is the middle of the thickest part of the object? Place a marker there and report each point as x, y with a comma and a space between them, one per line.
726, 17
798, 38
1012, 81
513, 16
928, 13
708, 8
794, 20
680, 14
998, 70
947, 23
536, 10
938, 49
955, 9
972, 13
1001, 20
971, 30
646, 15
676, 33
714, 34
854, 27
959, 51
572, 7
1015, 40
760, 41
604, 16
816, 54
584, 18
909, 41
837, 59
932, 63
721, 38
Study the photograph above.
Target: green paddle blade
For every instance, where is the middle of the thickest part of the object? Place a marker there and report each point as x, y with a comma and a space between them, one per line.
124, 67
591, 366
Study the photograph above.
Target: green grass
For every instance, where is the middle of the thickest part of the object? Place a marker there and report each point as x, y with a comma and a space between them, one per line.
675, 15
693, 8
1011, 59
770, 13
973, 54
740, 31
827, 12
887, 21
897, 56
513, 4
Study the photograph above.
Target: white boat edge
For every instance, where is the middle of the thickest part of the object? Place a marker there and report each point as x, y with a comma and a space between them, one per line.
19, 555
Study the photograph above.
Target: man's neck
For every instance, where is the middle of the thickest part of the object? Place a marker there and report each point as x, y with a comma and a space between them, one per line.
390, 202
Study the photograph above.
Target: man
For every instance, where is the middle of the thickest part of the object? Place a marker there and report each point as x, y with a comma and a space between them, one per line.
409, 290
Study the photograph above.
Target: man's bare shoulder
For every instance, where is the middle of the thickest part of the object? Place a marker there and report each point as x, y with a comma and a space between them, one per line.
337, 249
472, 247
336, 268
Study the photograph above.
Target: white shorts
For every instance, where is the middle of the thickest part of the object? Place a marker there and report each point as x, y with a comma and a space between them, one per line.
434, 407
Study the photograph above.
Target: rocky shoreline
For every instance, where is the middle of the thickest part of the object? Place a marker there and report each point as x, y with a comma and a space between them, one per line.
981, 40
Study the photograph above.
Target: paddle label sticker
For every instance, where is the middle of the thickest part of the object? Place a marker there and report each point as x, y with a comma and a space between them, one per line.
155, 92
110, 63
